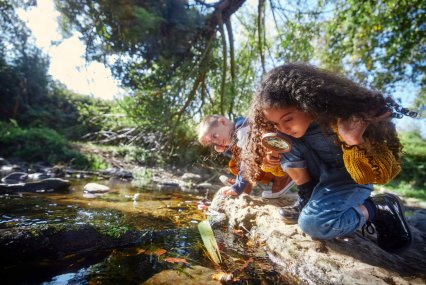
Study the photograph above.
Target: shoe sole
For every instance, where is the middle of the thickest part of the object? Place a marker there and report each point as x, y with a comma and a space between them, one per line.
283, 191
225, 181
290, 222
402, 209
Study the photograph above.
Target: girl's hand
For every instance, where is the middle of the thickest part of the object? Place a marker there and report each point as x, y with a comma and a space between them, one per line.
227, 191
271, 160
352, 129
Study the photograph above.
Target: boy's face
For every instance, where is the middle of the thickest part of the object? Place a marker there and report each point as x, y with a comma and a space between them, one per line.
289, 120
220, 136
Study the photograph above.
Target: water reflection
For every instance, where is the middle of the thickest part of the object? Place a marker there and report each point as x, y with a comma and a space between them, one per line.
168, 218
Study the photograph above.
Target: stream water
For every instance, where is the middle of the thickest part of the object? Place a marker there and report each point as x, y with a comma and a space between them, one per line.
167, 217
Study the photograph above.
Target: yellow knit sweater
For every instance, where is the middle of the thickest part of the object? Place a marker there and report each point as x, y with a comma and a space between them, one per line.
276, 171
370, 163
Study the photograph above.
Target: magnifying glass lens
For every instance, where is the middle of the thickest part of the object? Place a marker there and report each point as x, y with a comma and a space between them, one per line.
275, 142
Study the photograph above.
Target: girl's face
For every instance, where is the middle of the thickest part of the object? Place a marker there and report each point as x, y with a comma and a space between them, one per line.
289, 120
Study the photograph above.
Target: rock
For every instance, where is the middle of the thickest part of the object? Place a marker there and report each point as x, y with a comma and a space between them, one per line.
15, 177
193, 275
18, 244
118, 173
351, 260
95, 188
204, 185
57, 171
418, 219
46, 185
168, 185
3, 161
38, 176
6, 169
191, 177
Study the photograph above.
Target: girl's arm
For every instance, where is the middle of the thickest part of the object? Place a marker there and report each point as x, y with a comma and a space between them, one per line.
299, 175
366, 162
241, 185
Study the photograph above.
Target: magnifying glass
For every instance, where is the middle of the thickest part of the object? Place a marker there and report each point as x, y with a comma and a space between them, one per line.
276, 142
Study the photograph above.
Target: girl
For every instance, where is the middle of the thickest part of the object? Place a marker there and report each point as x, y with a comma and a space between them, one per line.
342, 141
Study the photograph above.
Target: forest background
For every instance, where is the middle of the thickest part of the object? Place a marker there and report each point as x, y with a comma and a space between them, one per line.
180, 60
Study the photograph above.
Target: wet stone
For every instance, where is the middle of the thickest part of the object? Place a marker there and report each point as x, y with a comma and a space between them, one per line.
95, 188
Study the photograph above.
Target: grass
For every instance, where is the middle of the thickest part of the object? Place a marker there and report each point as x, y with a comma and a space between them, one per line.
406, 189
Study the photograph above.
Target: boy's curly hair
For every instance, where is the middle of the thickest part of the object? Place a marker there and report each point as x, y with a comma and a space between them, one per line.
326, 97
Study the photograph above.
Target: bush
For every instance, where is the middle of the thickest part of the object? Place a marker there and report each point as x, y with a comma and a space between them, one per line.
38, 145
414, 160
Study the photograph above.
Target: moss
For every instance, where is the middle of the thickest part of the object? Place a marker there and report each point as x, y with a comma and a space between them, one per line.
114, 231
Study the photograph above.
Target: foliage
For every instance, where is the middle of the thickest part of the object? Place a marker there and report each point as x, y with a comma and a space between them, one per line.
148, 34
142, 177
406, 189
379, 41
420, 101
96, 162
414, 161
24, 83
114, 231
14, 36
23, 67
181, 64
38, 145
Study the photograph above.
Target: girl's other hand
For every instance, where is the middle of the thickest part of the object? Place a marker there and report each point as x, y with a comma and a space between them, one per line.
352, 129
270, 160
227, 191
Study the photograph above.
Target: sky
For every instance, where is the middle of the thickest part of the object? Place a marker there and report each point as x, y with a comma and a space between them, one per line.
67, 63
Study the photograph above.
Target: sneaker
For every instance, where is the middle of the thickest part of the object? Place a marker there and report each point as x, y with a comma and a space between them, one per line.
274, 195
393, 232
227, 181
291, 214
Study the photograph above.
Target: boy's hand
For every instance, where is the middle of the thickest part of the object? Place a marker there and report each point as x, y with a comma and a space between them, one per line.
352, 129
227, 191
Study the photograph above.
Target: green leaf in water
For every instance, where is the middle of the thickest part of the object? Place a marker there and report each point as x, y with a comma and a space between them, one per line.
209, 241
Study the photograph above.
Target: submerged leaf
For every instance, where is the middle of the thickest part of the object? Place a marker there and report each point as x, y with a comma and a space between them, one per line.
176, 260
246, 263
157, 252
209, 241
140, 251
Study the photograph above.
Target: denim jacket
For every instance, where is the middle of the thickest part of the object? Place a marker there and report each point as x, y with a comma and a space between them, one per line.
319, 153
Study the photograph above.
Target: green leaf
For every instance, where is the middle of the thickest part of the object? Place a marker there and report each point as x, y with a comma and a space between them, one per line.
209, 241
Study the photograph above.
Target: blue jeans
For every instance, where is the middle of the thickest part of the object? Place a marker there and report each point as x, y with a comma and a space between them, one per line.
333, 209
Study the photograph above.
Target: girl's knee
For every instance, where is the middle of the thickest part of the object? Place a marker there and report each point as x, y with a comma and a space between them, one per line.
316, 228
308, 224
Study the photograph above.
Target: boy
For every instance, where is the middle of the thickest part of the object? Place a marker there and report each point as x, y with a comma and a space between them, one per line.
225, 135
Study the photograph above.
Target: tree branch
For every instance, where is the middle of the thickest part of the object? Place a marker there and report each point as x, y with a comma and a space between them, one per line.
232, 63
191, 96
225, 8
224, 65
261, 30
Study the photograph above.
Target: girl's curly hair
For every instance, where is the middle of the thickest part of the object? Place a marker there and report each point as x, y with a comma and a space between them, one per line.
326, 97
